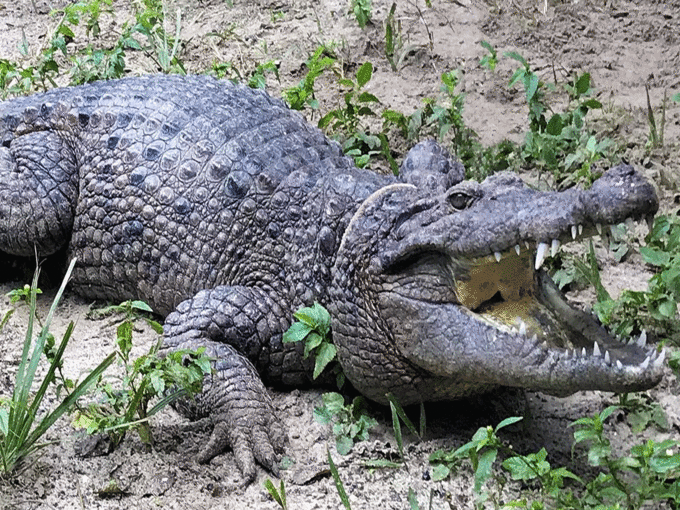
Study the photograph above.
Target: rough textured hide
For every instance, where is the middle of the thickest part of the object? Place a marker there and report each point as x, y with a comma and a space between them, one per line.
226, 212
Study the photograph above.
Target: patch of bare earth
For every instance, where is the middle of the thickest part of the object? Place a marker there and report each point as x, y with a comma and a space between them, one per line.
623, 44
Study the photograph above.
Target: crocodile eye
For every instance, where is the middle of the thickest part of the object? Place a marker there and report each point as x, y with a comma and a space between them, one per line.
460, 200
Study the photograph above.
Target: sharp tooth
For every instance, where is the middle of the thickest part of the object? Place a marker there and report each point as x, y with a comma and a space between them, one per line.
645, 363
526, 243
642, 341
598, 226
650, 221
517, 248
573, 231
607, 359
596, 350
659, 361
554, 247
566, 353
584, 353
544, 345
497, 254
619, 365
540, 255
522, 328
580, 230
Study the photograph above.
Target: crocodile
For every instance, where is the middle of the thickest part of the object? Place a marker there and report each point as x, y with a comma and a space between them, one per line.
226, 212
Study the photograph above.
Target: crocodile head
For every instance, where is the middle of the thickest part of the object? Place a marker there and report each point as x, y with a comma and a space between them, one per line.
442, 296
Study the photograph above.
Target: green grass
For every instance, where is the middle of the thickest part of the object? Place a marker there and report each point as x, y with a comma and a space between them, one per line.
20, 430
124, 403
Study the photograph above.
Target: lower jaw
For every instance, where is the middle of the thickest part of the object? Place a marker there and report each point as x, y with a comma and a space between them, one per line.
547, 316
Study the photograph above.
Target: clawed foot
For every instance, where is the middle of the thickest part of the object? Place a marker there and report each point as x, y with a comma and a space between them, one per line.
255, 437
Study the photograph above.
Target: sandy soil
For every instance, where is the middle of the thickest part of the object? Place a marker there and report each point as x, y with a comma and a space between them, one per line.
623, 44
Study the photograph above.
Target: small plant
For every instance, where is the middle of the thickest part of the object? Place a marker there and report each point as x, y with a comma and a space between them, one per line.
396, 50
559, 142
362, 11
277, 495
443, 119
656, 308
345, 123
482, 451
302, 94
399, 417
19, 432
178, 374
642, 411
350, 422
314, 328
490, 60
258, 77
151, 21
649, 474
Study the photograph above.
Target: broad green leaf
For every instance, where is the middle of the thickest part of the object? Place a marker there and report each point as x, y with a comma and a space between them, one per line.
440, 472
654, 256
668, 308
591, 144
583, 84
312, 342
296, 332
325, 354
519, 469
412, 499
157, 383
364, 74
555, 125
531, 82
508, 421
483, 472
124, 333
322, 415
156, 326
518, 75
140, 305
344, 445
598, 453
593, 104
367, 97
333, 401
665, 463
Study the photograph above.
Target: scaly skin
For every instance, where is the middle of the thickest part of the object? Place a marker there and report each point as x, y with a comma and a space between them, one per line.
226, 212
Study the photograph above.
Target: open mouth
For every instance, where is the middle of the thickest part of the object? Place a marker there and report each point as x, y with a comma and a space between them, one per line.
509, 291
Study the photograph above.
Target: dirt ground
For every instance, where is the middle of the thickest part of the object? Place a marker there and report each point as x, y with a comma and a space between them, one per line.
623, 44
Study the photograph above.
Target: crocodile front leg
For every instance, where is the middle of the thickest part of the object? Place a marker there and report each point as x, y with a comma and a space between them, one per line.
38, 191
232, 323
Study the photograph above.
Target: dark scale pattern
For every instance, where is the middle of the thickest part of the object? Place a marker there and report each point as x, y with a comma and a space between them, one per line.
227, 212
164, 186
